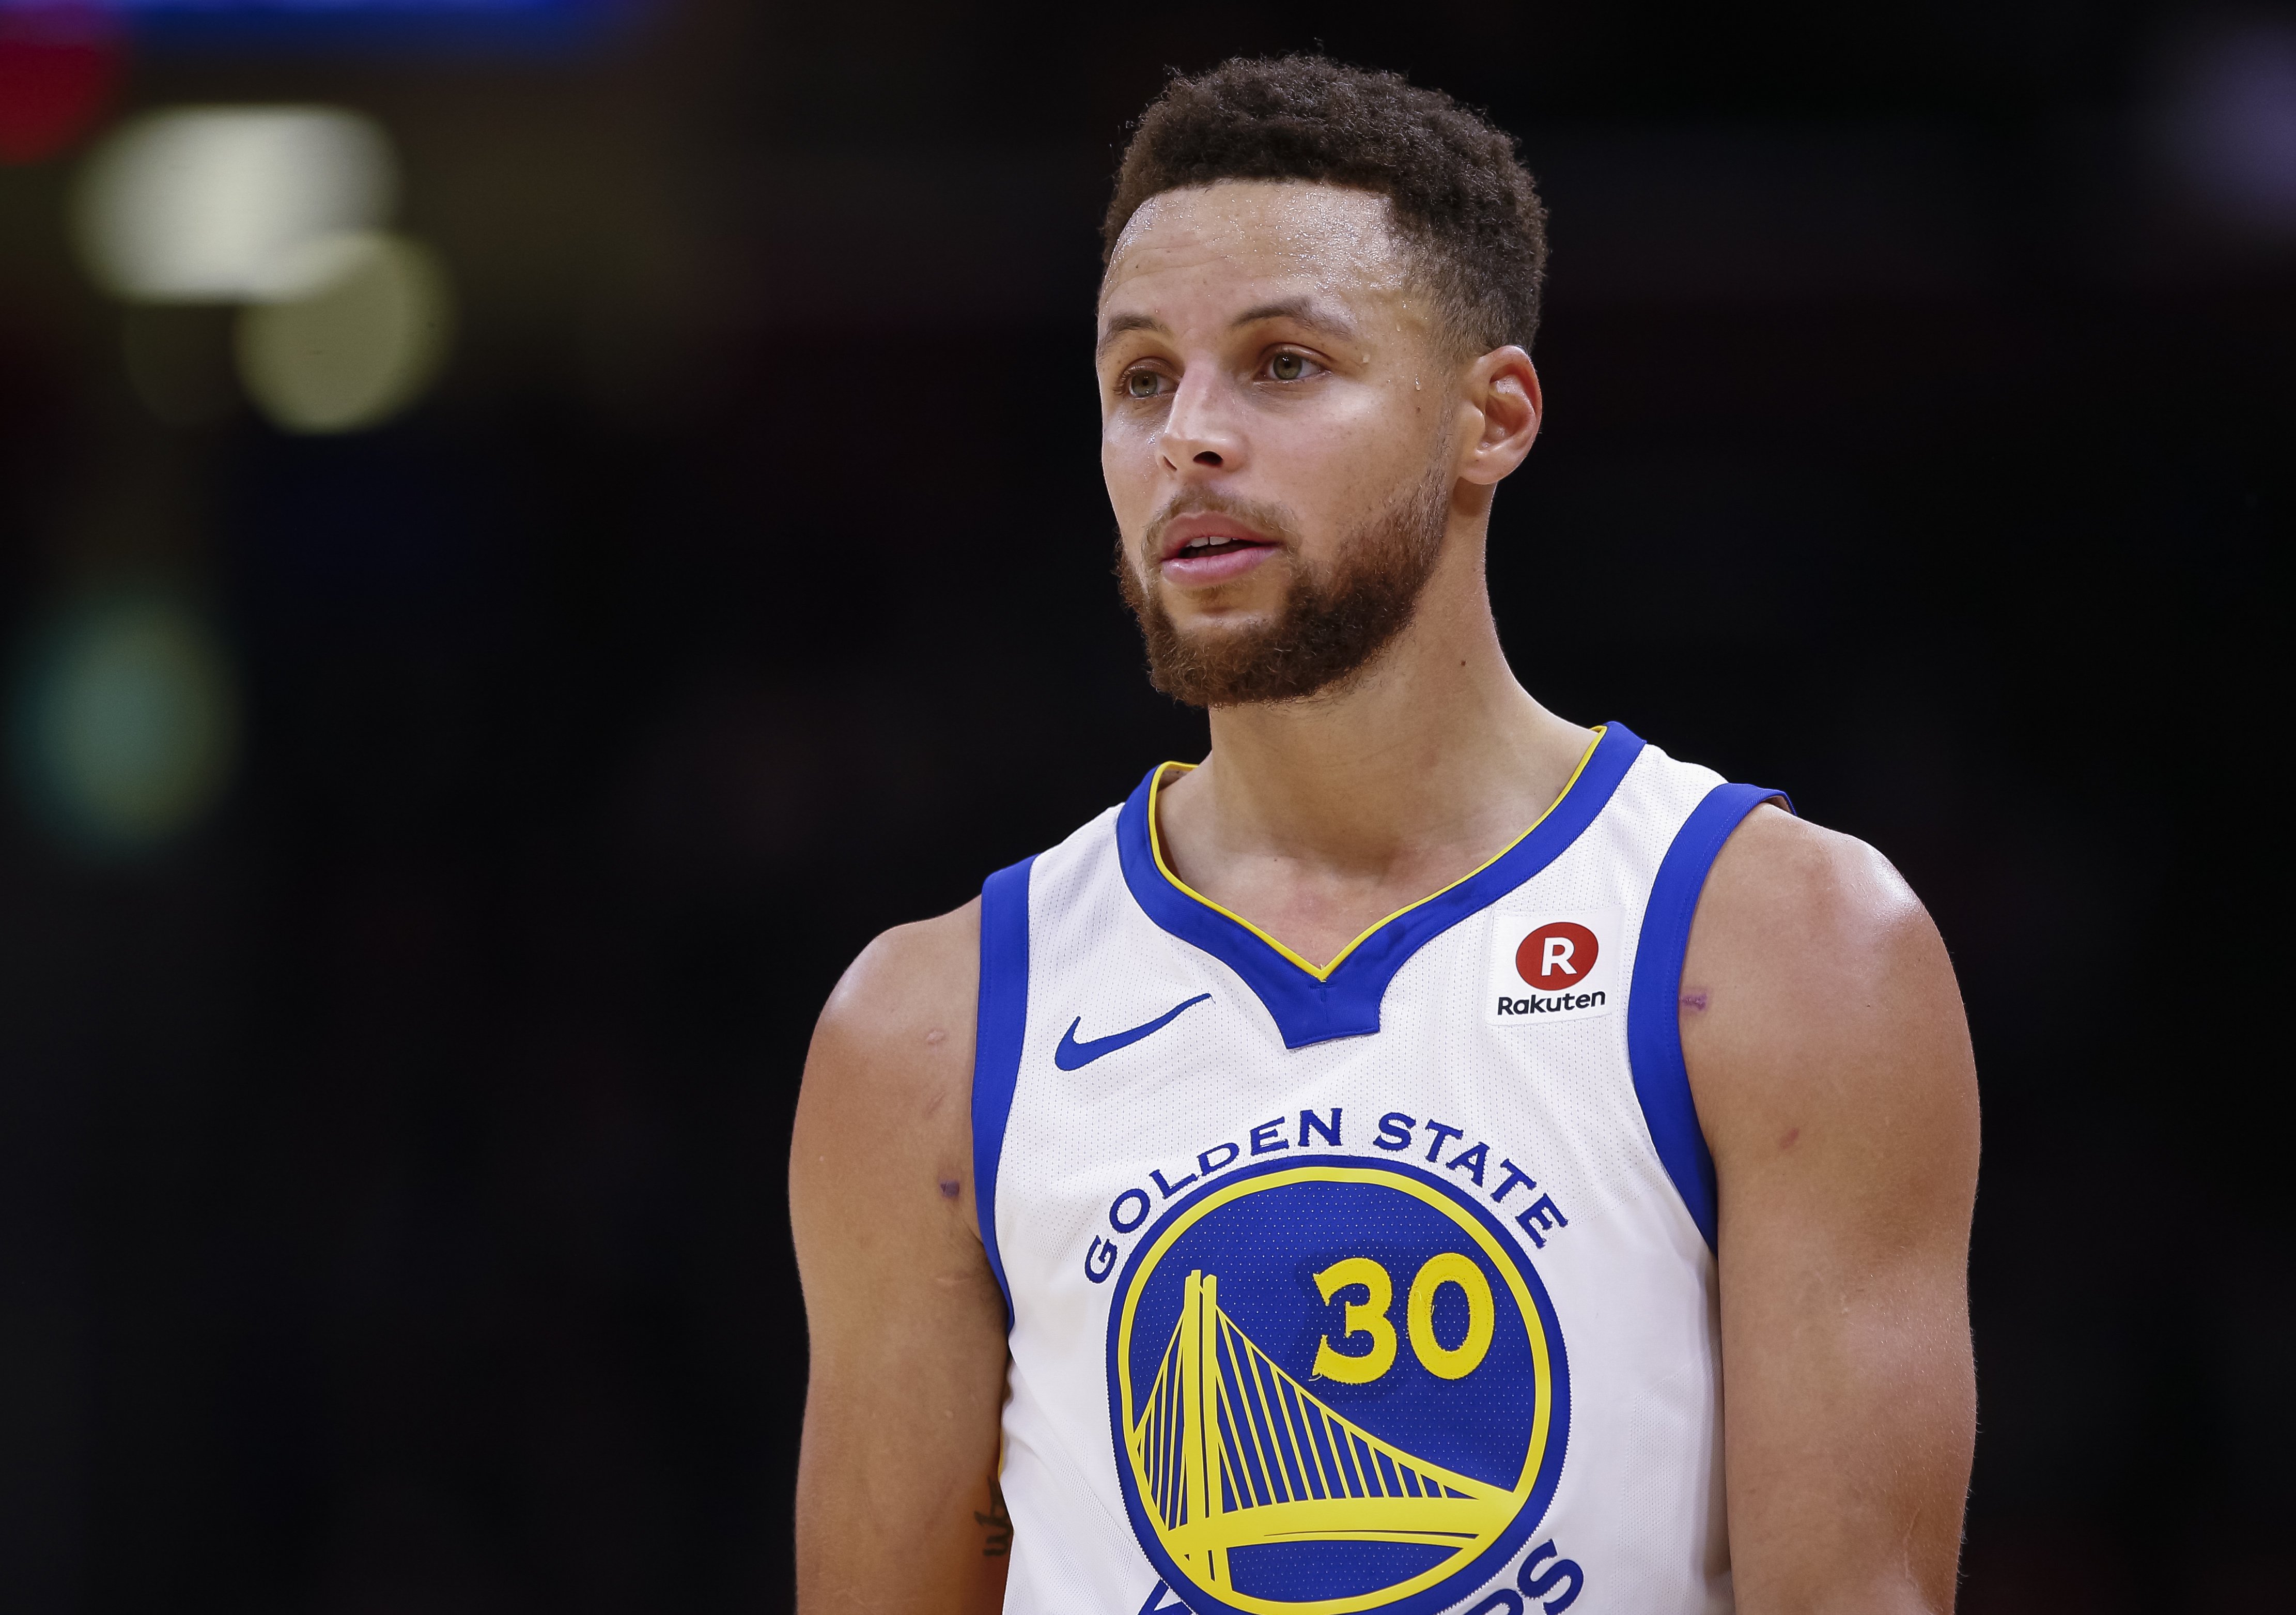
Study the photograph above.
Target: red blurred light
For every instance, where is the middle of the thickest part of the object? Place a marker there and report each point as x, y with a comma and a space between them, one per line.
59, 68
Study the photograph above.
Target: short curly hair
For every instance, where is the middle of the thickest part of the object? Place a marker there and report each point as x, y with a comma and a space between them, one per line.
1459, 195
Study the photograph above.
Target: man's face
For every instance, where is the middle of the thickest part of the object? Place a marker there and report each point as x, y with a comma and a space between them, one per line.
1275, 423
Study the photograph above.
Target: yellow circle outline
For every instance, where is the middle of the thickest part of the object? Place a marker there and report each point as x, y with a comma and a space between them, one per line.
1534, 1328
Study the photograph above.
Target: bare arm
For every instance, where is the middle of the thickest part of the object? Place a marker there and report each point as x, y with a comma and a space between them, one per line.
1830, 1061
896, 1508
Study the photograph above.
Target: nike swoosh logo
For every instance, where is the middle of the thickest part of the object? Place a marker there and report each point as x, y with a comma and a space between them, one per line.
1074, 1056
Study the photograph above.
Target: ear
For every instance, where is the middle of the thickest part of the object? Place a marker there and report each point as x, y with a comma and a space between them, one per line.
1502, 401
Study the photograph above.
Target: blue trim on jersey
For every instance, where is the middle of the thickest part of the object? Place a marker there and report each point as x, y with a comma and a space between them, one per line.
1653, 1000
1002, 1022
1307, 1010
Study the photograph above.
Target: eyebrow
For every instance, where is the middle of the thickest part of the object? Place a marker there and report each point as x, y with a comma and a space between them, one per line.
1305, 310
1123, 323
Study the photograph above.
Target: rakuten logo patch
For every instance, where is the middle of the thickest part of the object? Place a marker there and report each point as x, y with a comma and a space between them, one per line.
1552, 967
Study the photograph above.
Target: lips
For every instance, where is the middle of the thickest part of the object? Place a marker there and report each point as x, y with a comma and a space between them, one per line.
1204, 548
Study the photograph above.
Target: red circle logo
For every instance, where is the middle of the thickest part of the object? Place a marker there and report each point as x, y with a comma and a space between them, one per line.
1557, 957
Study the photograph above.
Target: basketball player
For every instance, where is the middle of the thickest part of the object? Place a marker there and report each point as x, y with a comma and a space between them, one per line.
1428, 1155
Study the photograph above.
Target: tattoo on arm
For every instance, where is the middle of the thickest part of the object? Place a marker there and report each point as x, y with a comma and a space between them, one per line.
997, 1523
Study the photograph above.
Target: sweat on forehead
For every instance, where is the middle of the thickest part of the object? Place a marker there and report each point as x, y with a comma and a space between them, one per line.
1297, 216
1331, 240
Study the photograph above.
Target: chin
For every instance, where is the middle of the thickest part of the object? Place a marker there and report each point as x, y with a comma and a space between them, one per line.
1215, 627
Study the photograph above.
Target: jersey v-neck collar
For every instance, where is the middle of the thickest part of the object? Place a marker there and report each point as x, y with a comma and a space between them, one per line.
1312, 1004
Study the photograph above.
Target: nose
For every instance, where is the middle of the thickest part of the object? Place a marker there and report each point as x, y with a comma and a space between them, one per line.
1200, 430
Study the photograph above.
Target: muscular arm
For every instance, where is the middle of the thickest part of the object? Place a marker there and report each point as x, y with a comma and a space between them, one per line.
895, 1507
1829, 1061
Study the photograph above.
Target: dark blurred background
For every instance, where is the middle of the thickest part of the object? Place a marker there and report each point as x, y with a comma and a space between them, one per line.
436, 816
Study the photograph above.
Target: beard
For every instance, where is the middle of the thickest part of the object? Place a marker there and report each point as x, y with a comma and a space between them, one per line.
1331, 623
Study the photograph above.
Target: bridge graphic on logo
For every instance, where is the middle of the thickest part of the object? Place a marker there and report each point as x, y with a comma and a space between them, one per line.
1230, 1451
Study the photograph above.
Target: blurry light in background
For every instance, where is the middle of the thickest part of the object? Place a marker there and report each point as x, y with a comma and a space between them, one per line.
217, 204
396, 29
126, 723
2229, 126
357, 348
278, 208
59, 67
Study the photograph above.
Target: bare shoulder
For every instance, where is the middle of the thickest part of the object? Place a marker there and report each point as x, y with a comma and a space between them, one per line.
905, 1324
1816, 992
902, 1013
889, 1079
1829, 1063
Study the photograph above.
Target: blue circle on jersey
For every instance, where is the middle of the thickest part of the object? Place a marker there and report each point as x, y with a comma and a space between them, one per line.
1335, 1385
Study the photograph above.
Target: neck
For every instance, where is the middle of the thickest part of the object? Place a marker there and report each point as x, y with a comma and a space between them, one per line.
1313, 814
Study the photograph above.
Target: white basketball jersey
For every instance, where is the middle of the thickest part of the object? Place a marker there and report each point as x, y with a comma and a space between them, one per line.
1386, 1286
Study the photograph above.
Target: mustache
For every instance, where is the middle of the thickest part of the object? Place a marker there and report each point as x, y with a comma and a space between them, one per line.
1273, 520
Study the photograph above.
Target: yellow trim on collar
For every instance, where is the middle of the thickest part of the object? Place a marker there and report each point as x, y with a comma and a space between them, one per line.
1324, 972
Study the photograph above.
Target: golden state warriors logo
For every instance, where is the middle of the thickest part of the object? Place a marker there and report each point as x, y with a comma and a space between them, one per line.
1335, 1386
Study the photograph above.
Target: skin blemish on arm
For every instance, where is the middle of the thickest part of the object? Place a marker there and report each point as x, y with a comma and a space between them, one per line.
1787, 1142
1695, 999
948, 1189
936, 1035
